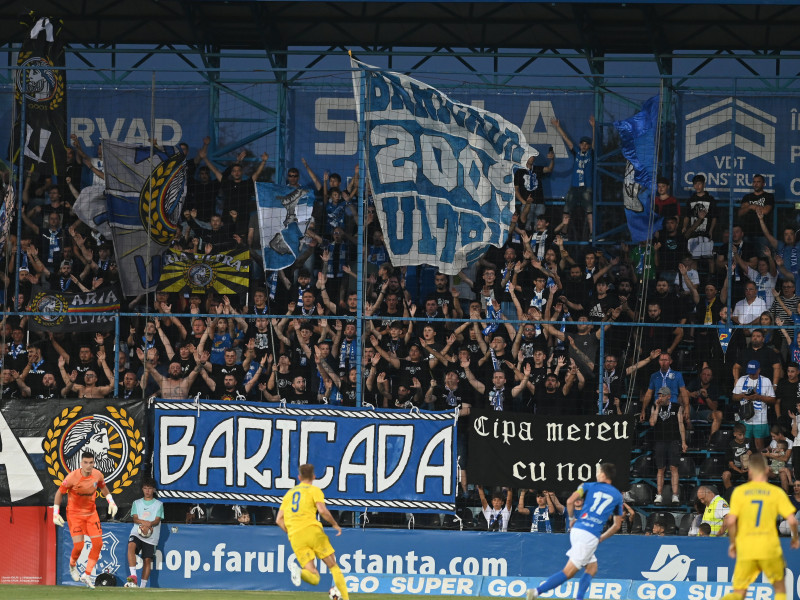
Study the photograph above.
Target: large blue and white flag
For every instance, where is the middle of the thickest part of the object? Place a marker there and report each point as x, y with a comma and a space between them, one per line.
283, 215
638, 145
441, 172
145, 190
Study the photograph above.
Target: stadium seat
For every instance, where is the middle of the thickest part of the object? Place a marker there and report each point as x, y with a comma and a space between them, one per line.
467, 518
722, 440
642, 494
687, 468
637, 524
175, 512
712, 467
665, 517
451, 521
643, 466
519, 522
346, 518
684, 521
219, 514
428, 521
262, 515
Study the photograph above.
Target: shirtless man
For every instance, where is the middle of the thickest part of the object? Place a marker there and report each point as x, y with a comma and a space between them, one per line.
89, 389
175, 387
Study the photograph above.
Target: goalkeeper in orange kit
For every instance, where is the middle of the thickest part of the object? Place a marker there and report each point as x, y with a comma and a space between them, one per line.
81, 487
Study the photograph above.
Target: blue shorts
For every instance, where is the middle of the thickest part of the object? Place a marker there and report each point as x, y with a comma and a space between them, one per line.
756, 431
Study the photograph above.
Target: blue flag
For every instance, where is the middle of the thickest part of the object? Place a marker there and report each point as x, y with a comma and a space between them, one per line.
283, 215
637, 136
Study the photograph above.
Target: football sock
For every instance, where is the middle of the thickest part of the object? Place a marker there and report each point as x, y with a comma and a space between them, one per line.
77, 548
735, 596
583, 585
309, 577
94, 554
780, 595
143, 584
133, 571
339, 582
552, 582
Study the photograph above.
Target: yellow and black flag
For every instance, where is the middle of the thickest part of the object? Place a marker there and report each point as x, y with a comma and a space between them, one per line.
224, 272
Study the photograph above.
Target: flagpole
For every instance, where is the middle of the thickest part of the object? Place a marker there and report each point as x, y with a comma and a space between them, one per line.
20, 179
362, 200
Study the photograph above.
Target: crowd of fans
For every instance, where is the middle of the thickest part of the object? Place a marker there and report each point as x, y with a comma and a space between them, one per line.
522, 327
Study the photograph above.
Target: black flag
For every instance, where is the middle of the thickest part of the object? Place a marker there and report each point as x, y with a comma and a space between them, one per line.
42, 86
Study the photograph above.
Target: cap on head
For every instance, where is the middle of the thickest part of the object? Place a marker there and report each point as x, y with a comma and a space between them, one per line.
664, 391
753, 367
586, 139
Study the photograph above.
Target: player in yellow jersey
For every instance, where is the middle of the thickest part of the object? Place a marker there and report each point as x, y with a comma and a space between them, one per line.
753, 532
297, 516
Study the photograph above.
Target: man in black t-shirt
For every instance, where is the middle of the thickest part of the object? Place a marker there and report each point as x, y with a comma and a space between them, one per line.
747, 217
666, 419
528, 188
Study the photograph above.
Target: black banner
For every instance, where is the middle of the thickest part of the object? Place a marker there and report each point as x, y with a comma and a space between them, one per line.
66, 311
43, 89
553, 453
41, 442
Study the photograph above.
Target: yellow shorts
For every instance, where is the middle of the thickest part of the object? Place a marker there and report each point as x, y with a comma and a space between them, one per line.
746, 571
308, 543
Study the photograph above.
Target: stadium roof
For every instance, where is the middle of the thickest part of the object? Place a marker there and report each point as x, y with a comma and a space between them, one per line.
599, 28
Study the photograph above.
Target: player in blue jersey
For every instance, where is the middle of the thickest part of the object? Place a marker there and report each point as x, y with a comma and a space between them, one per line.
601, 500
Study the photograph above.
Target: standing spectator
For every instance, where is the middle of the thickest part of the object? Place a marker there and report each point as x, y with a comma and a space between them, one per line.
580, 190
666, 419
528, 188
665, 377
704, 399
666, 204
748, 310
758, 202
700, 220
754, 392
547, 506
497, 514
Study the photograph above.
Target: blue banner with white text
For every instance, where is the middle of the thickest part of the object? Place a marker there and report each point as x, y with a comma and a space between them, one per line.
729, 139
464, 563
388, 460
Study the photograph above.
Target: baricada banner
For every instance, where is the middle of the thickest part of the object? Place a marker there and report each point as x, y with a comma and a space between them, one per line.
388, 460
41, 441
554, 453
430, 563
66, 312
225, 272
441, 172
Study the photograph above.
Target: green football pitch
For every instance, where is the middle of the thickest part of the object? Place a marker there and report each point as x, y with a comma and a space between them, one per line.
59, 592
